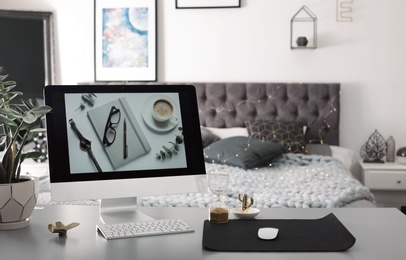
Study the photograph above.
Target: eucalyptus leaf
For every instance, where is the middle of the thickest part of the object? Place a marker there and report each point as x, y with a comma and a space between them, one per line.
162, 154
173, 149
88, 100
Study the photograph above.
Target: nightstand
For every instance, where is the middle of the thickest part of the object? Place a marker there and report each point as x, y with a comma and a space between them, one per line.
387, 181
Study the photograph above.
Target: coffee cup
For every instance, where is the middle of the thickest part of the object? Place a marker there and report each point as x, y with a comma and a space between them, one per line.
162, 110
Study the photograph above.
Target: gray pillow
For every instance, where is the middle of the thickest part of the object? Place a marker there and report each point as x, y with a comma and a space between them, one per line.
244, 152
319, 149
288, 134
208, 137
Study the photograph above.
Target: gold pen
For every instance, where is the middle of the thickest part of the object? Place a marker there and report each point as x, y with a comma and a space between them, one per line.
125, 147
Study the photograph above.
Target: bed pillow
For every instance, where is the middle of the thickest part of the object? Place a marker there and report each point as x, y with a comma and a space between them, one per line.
319, 149
288, 134
208, 137
228, 132
244, 152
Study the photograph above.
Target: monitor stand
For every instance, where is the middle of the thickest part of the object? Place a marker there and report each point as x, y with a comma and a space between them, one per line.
121, 210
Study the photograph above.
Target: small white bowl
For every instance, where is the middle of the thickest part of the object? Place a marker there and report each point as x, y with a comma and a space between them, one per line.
250, 213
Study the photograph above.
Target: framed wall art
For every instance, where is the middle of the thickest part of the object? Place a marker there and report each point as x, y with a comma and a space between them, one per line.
125, 40
188, 4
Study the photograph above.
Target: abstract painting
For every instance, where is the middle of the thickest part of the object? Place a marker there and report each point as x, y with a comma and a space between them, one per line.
125, 40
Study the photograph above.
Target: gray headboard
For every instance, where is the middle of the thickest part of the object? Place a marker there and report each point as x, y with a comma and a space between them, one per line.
231, 104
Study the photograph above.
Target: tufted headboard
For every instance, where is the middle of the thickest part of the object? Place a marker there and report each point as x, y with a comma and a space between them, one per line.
231, 104
315, 104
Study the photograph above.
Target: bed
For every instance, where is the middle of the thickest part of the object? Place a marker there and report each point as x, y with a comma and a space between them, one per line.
278, 141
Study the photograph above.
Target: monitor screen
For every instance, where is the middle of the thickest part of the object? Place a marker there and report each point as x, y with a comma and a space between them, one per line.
120, 141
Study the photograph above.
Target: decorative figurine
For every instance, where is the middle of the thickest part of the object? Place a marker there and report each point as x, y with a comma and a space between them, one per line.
374, 149
60, 228
302, 41
245, 206
246, 211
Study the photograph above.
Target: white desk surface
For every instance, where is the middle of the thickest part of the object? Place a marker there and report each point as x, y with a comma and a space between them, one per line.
380, 234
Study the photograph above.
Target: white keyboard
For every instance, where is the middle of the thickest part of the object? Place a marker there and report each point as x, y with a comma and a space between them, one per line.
144, 228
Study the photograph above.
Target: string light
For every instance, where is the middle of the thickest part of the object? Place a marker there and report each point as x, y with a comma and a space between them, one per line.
321, 130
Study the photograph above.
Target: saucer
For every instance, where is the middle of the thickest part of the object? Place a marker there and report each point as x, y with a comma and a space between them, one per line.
250, 213
153, 125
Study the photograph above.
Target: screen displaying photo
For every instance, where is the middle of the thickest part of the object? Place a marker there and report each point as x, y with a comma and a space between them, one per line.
119, 132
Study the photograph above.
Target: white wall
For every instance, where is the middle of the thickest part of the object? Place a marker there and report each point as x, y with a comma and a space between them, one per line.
251, 44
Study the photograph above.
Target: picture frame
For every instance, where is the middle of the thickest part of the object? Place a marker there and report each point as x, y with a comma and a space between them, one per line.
194, 4
125, 38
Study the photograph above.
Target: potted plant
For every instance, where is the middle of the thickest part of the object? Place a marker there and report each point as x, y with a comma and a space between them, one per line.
19, 123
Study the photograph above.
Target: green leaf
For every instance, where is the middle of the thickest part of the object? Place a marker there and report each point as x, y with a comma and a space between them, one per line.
30, 117
37, 123
162, 155
28, 104
10, 112
179, 139
167, 150
41, 110
2, 174
31, 155
6, 121
14, 94
3, 139
18, 109
88, 99
3, 77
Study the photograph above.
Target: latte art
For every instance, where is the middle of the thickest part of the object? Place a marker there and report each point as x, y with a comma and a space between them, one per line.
162, 109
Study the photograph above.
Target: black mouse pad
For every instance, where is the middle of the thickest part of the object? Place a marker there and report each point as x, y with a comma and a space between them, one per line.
326, 234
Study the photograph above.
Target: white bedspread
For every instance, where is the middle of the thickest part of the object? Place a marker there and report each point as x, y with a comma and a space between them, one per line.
293, 181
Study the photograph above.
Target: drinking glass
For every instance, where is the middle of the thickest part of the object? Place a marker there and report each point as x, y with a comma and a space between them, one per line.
218, 184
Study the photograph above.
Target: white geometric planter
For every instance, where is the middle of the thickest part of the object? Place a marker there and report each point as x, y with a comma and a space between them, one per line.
17, 202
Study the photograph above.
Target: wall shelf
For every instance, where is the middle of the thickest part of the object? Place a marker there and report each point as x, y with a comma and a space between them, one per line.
303, 29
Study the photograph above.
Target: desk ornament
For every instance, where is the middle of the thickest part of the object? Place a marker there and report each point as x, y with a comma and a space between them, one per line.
60, 228
246, 211
374, 149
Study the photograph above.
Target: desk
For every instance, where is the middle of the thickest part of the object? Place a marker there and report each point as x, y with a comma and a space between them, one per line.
380, 234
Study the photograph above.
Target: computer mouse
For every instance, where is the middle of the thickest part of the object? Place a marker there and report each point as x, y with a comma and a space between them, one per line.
267, 233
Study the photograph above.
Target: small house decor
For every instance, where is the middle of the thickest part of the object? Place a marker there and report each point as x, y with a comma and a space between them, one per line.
303, 29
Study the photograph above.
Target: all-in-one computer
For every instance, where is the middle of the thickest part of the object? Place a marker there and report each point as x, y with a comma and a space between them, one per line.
117, 142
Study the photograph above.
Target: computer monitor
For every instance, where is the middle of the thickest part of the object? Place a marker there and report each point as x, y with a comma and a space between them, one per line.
117, 142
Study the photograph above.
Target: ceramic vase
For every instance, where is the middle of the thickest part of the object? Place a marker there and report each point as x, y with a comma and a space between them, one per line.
17, 202
391, 146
